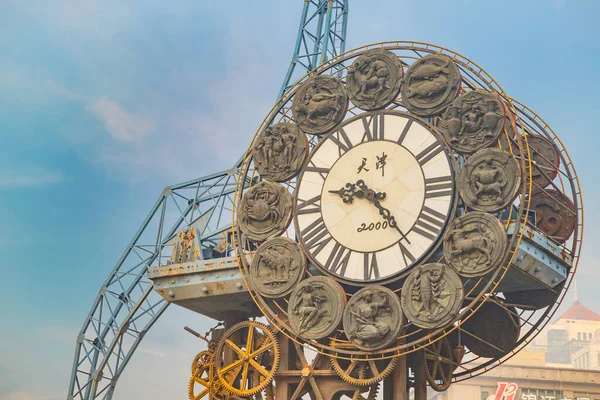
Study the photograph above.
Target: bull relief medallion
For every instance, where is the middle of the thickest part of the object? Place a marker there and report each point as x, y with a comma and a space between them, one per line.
555, 214
430, 84
373, 318
473, 121
432, 296
320, 104
475, 244
279, 152
490, 180
316, 306
265, 211
374, 79
277, 267
546, 161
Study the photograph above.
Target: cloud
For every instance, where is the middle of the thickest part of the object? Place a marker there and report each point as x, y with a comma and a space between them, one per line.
33, 176
121, 124
153, 352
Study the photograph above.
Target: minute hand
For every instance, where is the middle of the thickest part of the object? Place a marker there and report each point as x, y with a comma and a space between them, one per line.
385, 213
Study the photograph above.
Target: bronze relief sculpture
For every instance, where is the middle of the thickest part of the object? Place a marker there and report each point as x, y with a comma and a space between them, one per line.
265, 211
475, 244
546, 161
277, 267
473, 121
320, 104
373, 318
432, 296
374, 79
315, 307
430, 84
490, 180
555, 214
279, 152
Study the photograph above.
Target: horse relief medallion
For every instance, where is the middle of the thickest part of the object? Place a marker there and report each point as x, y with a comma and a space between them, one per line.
432, 296
374, 79
320, 104
475, 244
265, 211
277, 267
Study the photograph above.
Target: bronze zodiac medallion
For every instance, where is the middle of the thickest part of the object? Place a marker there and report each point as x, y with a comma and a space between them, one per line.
473, 121
555, 214
546, 161
497, 325
430, 84
280, 151
475, 244
373, 318
374, 79
277, 267
316, 306
490, 180
320, 104
432, 296
265, 211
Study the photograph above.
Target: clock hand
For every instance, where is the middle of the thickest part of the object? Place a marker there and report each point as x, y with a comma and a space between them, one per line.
348, 192
374, 197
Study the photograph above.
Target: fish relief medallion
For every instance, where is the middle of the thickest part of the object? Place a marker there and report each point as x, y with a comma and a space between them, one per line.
277, 267
546, 161
473, 121
265, 211
490, 180
279, 152
373, 318
316, 306
430, 85
555, 214
432, 296
475, 244
320, 104
374, 79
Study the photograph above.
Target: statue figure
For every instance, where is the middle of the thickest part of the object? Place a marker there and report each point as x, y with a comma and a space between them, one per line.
309, 307
369, 328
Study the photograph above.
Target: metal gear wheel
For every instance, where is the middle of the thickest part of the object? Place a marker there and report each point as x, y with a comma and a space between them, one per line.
201, 358
438, 362
246, 350
362, 393
363, 372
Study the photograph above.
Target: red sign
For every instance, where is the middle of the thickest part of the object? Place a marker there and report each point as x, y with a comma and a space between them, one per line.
505, 391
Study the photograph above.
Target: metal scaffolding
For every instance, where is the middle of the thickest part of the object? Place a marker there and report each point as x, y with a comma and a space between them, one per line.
126, 306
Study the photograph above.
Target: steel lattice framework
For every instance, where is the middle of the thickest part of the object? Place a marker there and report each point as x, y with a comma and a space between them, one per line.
126, 306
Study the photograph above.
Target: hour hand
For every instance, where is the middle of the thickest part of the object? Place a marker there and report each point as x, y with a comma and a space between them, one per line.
348, 193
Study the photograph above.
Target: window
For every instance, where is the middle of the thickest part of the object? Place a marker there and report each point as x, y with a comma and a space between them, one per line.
578, 335
584, 336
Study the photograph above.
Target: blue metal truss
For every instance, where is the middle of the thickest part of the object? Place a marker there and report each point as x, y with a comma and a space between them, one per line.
126, 306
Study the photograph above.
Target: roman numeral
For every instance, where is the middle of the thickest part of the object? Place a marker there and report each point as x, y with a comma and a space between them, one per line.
309, 206
342, 141
438, 187
406, 254
371, 268
311, 167
405, 131
337, 262
368, 135
431, 151
378, 126
430, 223
315, 236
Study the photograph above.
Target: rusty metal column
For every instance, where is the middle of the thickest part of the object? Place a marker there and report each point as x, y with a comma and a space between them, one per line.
282, 387
420, 383
395, 386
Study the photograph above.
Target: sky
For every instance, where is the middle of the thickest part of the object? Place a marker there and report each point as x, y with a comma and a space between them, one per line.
105, 102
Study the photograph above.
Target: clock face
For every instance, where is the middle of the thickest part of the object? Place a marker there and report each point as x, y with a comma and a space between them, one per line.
374, 197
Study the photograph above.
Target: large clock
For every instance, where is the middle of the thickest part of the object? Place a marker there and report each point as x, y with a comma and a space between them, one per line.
374, 197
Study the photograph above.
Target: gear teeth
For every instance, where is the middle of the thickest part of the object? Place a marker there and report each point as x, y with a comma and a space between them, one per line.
201, 358
432, 382
335, 363
268, 333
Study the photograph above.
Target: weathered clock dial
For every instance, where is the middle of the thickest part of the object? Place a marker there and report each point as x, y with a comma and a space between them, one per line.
374, 197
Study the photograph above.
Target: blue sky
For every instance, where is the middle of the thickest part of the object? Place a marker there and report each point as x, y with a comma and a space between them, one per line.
105, 102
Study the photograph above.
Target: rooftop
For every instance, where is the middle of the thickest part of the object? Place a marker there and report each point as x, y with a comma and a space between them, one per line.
580, 312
